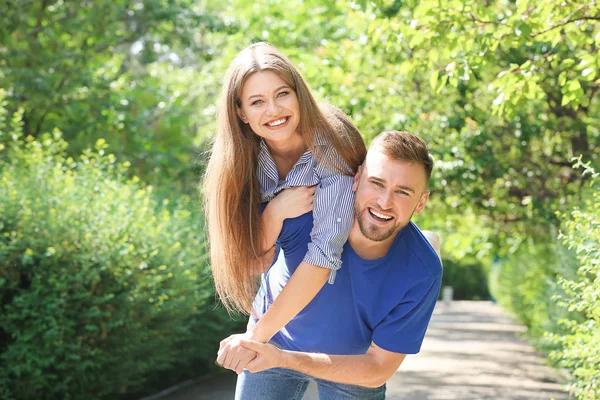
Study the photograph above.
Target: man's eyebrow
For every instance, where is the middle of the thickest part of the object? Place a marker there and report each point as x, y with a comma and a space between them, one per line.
276, 90
403, 187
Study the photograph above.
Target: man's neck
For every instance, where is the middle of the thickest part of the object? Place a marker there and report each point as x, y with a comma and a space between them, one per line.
368, 249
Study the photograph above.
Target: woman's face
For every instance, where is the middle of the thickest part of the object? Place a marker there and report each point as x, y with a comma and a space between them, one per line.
270, 107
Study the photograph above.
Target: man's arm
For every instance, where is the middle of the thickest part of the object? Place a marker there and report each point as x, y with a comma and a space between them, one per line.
371, 369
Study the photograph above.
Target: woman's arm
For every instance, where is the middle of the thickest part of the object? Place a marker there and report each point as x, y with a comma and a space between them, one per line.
301, 288
290, 203
332, 220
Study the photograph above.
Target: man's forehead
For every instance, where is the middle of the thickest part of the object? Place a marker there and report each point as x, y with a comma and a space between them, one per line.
379, 165
377, 160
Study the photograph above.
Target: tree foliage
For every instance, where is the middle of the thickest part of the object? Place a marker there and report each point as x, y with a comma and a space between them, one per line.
101, 287
504, 92
119, 70
579, 350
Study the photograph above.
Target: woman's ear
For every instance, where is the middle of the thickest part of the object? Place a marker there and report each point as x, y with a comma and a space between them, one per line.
241, 114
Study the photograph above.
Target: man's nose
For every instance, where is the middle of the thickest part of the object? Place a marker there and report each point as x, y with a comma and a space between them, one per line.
385, 199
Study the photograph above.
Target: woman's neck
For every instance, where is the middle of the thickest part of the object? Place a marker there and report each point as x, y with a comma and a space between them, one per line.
292, 148
286, 154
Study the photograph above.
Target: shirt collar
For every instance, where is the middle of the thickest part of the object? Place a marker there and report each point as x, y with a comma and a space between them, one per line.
264, 155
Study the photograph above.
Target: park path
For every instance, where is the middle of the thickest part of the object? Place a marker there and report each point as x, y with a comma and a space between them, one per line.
472, 351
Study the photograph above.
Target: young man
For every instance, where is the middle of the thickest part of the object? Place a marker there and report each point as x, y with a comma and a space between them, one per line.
355, 334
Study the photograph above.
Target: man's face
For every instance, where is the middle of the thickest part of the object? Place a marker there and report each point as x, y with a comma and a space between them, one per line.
388, 193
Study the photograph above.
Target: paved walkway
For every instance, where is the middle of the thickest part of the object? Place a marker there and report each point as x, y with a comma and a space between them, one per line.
472, 351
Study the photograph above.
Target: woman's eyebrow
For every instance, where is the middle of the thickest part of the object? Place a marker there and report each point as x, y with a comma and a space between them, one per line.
276, 90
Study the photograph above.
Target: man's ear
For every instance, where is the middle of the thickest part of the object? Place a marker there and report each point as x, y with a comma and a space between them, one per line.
241, 114
422, 202
356, 178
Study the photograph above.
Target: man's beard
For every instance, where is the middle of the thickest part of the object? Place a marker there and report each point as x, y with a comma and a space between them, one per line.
372, 231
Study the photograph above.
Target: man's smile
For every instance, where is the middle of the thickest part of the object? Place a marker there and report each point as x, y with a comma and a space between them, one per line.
379, 216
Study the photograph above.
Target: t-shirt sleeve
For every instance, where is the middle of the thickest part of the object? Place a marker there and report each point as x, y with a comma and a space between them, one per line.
403, 329
332, 220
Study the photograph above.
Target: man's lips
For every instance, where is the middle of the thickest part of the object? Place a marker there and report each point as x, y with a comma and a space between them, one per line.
380, 216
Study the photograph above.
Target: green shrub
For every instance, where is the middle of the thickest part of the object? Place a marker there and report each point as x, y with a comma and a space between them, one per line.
100, 286
580, 348
554, 289
468, 280
526, 283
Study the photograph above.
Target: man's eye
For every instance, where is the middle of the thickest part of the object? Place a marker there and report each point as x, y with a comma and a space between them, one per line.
375, 183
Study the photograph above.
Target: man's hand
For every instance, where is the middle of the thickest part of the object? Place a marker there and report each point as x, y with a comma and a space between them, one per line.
267, 356
232, 355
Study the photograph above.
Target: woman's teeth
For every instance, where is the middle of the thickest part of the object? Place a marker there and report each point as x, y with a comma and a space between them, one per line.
278, 122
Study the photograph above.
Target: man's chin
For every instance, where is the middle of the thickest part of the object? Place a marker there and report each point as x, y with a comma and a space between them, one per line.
375, 233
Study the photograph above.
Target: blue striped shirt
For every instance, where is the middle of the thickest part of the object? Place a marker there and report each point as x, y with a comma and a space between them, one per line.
333, 213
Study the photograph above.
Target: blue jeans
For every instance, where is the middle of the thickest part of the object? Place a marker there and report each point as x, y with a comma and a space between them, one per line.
285, 384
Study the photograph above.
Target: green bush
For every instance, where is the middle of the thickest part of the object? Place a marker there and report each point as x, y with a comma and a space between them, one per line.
554, 289
468, 280
580, 348
526, 283
101, 287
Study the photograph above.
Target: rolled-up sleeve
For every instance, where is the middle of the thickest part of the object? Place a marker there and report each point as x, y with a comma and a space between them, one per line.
333, 217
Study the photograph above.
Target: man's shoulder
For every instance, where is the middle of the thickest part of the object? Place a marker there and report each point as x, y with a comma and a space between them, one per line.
421, 255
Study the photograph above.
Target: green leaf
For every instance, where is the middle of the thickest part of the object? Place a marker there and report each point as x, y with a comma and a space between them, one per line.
567, 63
562, 78
589, 74
433, 79
573, 85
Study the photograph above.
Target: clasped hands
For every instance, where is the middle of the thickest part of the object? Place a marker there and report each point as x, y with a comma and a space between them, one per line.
239, 352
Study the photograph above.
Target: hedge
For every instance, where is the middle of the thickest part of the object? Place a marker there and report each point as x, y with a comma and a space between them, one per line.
101, 286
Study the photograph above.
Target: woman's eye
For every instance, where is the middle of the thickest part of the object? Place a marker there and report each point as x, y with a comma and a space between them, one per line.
256, 102
282, 94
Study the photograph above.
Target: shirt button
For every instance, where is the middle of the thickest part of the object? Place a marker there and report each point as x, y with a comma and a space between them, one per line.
339, 220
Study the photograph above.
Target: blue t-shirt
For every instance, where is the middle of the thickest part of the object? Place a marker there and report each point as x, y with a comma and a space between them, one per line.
388, 301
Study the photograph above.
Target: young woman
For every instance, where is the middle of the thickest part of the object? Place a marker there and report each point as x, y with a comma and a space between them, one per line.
271, 136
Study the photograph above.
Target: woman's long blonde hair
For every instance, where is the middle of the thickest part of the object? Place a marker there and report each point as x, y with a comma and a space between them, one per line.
231, 190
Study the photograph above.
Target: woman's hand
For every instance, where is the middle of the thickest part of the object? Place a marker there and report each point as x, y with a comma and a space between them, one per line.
293, 202
232, 355
290, 203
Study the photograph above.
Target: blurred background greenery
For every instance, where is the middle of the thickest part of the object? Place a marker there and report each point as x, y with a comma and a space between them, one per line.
107, 112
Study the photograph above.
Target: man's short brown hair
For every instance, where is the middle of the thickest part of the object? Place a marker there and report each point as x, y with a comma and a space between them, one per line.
404, 146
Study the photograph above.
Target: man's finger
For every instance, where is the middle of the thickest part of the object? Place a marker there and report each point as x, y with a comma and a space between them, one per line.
252, 366
252, 345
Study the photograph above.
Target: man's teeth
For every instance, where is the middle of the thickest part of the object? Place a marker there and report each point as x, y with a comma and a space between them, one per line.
382, 216
278, 122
